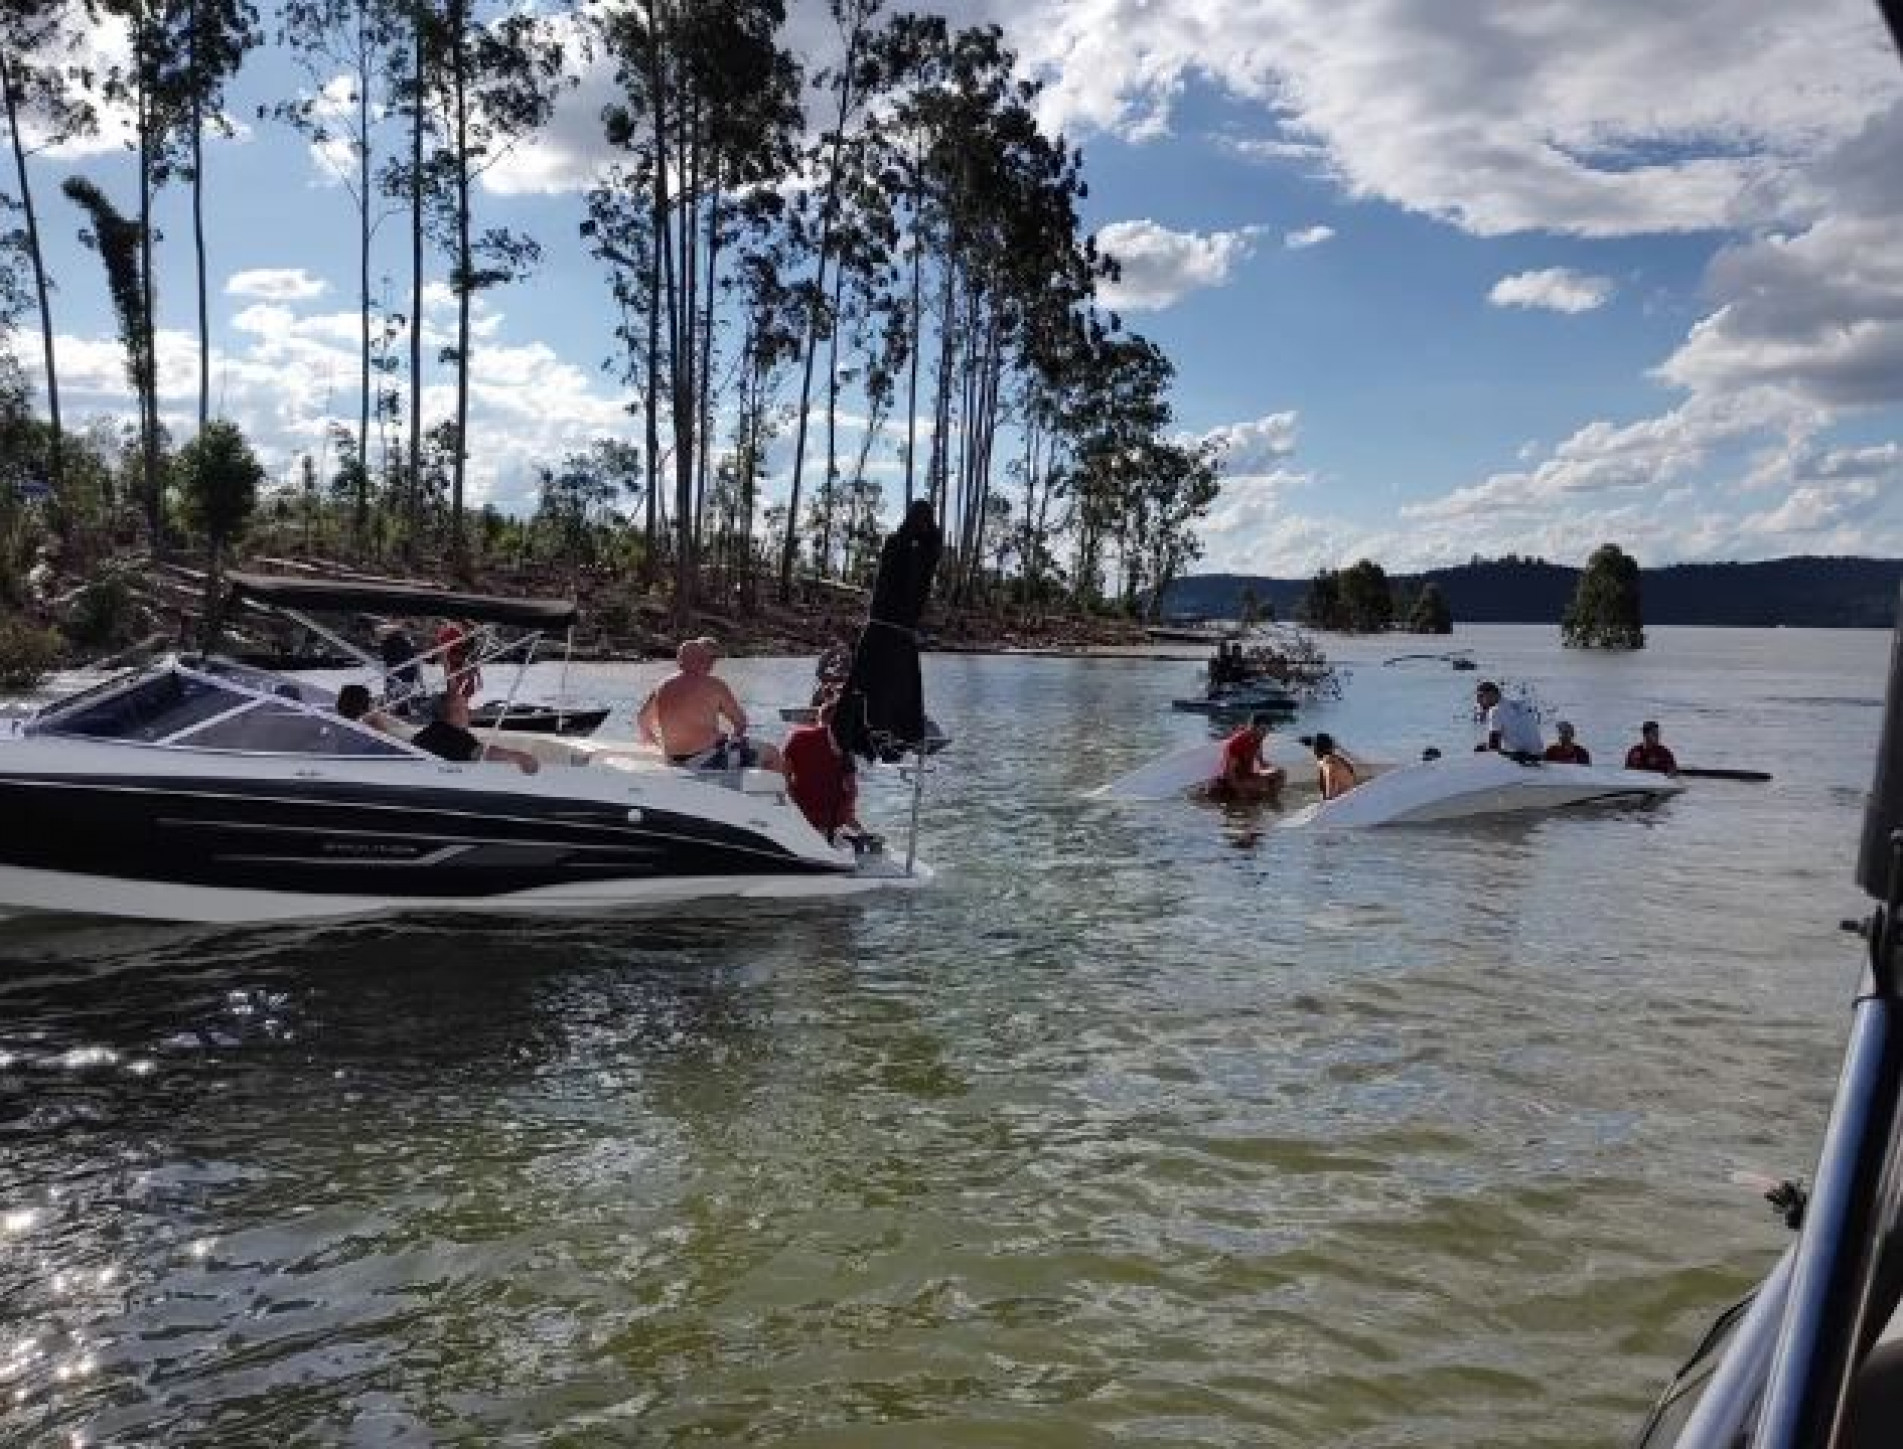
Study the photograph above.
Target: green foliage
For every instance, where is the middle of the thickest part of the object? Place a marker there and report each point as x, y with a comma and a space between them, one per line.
218, 478
1356, 600
27, 653
103, 615
1430, 614
1605, 612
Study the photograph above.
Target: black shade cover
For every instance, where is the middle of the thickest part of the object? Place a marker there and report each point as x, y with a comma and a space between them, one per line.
342, 595
881, 714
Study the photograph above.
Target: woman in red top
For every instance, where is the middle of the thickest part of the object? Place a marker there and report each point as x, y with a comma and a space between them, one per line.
1568, 751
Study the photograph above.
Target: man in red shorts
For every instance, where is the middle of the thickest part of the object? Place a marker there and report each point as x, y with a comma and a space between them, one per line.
1246, 773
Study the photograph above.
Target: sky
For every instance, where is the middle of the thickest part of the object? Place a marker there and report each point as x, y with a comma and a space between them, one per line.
1445, 279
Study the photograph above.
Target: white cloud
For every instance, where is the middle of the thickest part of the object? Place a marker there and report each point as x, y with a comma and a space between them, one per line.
1311, 236
1161, 267
1610, 119
1258, 446
276, 284
1556, 289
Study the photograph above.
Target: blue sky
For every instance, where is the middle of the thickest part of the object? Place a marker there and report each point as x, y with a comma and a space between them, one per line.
1525, 275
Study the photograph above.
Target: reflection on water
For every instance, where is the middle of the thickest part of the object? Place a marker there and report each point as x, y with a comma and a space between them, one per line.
1151, 1124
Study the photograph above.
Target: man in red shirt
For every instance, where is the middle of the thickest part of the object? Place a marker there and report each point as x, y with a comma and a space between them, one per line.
820, 778
1568, 751
1246, 773
1648, 754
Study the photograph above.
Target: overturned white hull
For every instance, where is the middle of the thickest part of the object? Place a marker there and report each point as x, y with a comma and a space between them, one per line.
1478, 785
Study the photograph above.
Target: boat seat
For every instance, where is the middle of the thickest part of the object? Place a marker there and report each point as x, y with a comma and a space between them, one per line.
1874, 1417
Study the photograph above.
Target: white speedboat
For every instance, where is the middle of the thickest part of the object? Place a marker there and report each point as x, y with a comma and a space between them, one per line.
1463, 786
201, 790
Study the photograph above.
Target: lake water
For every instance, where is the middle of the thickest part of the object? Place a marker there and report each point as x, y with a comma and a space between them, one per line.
1146, 1125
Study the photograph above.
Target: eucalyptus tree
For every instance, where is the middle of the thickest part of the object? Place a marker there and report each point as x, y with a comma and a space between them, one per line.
347, 49
490, 78
851, 85
124, 249
705, 119
200, 46
44, 92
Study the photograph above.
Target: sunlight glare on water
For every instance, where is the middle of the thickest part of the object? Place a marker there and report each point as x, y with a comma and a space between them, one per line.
1146, 1124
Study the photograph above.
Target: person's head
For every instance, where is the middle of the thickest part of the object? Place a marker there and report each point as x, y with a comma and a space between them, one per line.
1565, 731
1486, 694
698, 656
353, 701
1261, 724
1323, 745
1649, 732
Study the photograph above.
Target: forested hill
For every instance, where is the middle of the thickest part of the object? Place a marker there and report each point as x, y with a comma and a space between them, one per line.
1799, 592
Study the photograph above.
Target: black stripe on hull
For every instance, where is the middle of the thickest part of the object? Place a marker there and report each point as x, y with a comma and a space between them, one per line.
330, 837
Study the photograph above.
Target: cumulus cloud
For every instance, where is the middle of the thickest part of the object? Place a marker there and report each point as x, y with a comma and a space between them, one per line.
1311, 236
1557, 289
1600, 120
276, 284
1258, 446
1161, 267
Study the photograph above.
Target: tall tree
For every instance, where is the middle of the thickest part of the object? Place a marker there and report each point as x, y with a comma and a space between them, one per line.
347, 49
490, 80
218, 477
120, 242
207, 44
45, 92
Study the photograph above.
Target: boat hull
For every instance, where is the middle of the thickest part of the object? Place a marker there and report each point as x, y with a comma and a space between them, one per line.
1480, 785
293, 837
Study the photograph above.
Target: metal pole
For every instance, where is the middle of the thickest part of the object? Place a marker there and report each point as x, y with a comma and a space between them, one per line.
918, 799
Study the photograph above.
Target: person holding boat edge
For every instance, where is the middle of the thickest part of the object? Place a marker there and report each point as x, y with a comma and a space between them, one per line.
1567, 750
1336, 770
1649, 754
1512, 728
1247, 773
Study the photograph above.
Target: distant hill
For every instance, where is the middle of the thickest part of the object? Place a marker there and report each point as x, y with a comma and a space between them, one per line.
1812, 593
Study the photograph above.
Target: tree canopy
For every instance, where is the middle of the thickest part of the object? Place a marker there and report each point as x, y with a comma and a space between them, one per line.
1605, 612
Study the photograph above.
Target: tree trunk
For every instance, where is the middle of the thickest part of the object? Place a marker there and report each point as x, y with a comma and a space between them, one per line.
55, 438
911, 400
147, 342
198, 221
466, 271
360, 505
825, 555
414, 482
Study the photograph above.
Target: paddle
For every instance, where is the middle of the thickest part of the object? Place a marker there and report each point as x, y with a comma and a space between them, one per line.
1754, 777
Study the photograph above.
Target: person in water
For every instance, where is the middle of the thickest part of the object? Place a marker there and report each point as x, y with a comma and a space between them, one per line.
1566, 750
695, 719
1512, 728
1247, 773
1336, 770
820, 777
1650, 755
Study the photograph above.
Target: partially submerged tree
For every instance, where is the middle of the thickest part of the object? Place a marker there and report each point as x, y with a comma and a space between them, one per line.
1430, 614
1605, 612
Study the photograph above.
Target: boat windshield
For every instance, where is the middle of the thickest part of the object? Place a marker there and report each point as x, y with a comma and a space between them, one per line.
181, 707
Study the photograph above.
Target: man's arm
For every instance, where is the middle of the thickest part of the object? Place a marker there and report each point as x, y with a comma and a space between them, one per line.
730, 708
645, 722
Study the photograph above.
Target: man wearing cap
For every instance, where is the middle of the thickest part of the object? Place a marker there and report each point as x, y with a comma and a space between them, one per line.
1567, 751
1511, 727
1649, 755
1246, 772
695, 719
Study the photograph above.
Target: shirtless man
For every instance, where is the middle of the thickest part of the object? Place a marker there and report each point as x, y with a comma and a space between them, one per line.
695, 719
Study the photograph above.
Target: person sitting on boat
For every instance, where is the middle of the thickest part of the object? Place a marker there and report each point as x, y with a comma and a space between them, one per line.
1649, 755
820, 777
1512, 727
1567, 750
353, 703
1247, 772
448, 737
1336, 770
695, 719
402, 677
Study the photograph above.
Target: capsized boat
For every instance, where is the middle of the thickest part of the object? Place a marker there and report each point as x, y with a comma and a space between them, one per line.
1462, 787
1188, 769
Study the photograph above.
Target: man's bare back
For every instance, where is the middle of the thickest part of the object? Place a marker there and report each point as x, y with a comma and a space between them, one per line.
689, 713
